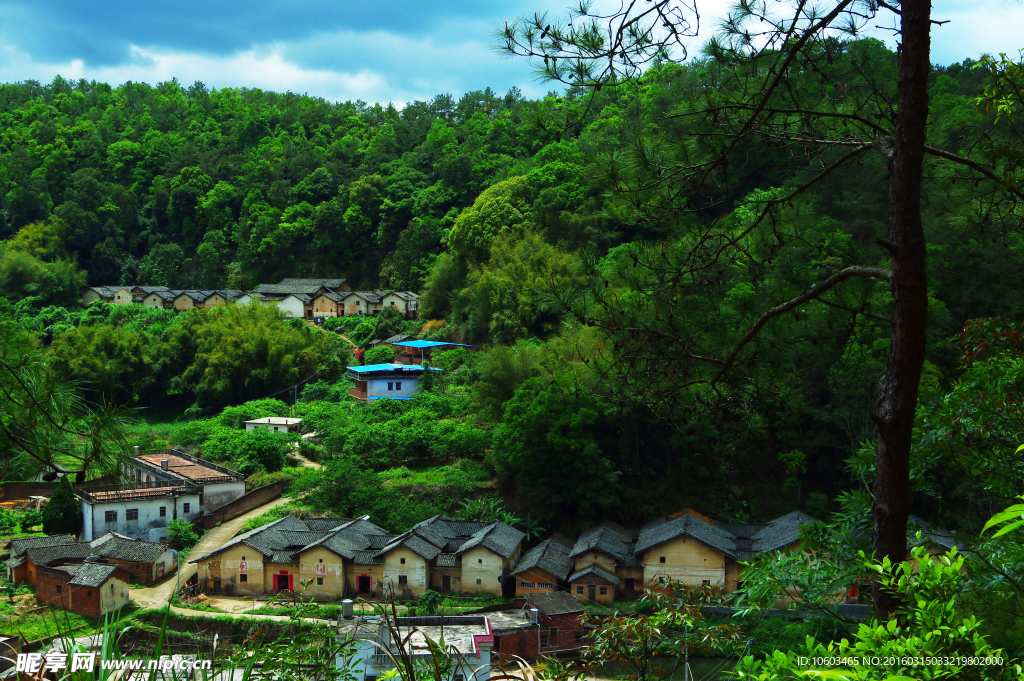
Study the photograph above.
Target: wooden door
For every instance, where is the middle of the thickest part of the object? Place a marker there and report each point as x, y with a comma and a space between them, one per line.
446, 584
591, 593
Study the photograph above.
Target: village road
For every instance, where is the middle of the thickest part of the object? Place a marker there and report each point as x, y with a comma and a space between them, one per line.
156, 596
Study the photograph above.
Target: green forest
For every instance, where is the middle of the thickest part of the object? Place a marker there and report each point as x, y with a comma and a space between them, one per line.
610, 251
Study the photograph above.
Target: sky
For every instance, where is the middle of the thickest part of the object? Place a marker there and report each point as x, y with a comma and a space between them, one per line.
373, 50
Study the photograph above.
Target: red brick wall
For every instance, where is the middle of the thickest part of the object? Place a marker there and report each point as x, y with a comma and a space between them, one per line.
85, 600
524, 642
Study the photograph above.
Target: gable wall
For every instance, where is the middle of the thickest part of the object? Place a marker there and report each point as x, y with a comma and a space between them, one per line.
483, 566
595, 557
334, 573
415, 569
686, 560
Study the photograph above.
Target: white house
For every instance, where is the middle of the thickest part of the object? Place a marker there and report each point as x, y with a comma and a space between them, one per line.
217, 485
468, 640
385, 381
137, 513
296, 305
280, 424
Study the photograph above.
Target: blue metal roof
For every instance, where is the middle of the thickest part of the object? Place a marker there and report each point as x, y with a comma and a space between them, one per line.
387, 367
429, 344
385, 397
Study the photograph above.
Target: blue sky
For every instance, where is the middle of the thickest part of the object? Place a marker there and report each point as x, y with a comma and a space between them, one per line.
375, 50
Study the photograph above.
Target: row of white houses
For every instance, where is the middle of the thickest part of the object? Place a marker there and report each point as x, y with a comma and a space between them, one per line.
304, 298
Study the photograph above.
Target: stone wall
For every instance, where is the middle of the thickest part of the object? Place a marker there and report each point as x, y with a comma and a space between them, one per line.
244, 504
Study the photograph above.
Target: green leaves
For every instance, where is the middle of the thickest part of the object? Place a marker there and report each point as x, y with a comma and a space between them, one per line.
1009, 520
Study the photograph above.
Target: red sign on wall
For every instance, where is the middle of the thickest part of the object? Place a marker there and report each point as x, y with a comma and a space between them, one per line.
321, 570
243, 567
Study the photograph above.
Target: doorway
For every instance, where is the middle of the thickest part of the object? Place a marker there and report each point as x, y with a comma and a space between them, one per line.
592, 593
446, 584
630, 585
363, 584
282, 582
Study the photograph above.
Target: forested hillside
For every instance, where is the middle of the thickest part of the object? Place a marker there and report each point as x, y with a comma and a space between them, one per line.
504, 213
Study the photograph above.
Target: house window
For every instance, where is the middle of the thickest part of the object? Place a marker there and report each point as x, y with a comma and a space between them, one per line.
110, 516
526, 585
58, 588
185, 508
543, 640
545, 585
391, 385
403, 580
661, 559
88, 593
480, 560
478, 581
400, 560
163, 511
319, 581
706, 582
553, 634
132, 514
579, 590
243, 578
398, 385
604, 591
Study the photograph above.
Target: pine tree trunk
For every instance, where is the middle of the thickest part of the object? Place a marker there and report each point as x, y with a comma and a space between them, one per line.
897, 397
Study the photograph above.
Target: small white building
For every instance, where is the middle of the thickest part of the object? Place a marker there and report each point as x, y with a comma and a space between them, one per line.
385, 381
278, 424
296, 305
468, 640
137, 513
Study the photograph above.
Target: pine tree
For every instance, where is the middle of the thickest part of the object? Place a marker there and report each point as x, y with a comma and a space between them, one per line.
63, 513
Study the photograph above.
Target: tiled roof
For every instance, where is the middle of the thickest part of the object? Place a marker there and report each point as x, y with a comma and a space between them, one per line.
667, 529
42, 555
230, 293
498, 538
555, 603
329, 283
336, 297
134, 550
448, 560
105, 291
325, 524
368, 296
167, 296
551, 555
137, 494
147, 289
780, 532
184, 468
302, 298
930, 532
607, 538
286, 289
92, 574
597, 570
406, 295
367, 558
397, 338
19, 546
15, 562
197, 296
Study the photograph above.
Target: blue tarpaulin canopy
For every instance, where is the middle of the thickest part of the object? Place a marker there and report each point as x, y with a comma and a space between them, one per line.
420, 344
389, 367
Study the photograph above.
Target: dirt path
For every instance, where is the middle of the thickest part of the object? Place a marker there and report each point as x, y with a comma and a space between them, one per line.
156, 596
303, 460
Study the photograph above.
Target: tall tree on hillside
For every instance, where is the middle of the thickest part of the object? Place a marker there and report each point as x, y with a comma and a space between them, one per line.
782, 81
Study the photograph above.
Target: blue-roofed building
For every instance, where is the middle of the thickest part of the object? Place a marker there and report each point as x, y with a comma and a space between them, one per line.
419, 351
385, 381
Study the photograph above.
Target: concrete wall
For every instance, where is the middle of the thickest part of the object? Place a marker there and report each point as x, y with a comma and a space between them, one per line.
379, 387
414, 568
91, 296
481, 571
123, 297
216, 300
150, 526
634, 573
153, 300
354, 571
581, 589
244, 504
225, 569
270, 572
113, 594
183, 302
686, 560
595, 558
454, 575
323, 565
220, 493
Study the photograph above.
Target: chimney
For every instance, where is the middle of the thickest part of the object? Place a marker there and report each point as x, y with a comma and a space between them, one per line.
138, 450
163, 464
346, 608
533, 614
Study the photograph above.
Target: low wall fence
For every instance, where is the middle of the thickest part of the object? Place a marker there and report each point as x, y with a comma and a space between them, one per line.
243, 504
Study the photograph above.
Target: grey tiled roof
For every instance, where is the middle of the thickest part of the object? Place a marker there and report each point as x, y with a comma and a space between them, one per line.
134, 550
554, 602
303, 298
92, 574
448, 560
597, 570
367, 558
406, 295
606, 537
106, 291
41, 555
329, 283
498, 538
286, 289
930, 532
780, 532
368, 296
665, 529
336, 297
397, 338
15, 562
19, 546
325, 524
167, 296
230, 293
551, 555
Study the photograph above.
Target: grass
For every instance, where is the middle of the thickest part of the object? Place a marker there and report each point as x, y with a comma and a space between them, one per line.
463, 475
316, 611
270, 516
48, 621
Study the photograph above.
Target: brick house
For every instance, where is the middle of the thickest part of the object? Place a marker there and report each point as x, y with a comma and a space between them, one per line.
544, 568
556, 627
145, 561
18, 565
90, 588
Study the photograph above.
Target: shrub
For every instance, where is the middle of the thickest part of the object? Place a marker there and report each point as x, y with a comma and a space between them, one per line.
63, 513
194, 432
235, 417
267, 449
382, 354
182, 533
